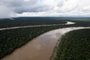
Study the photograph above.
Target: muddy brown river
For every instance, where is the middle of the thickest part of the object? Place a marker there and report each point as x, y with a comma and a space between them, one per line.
40, 48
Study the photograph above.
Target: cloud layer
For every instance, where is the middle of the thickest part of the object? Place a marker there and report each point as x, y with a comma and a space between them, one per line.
10, 8
6, 12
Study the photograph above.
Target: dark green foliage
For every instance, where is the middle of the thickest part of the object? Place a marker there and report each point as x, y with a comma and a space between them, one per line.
75, 45
12, 39
23, 21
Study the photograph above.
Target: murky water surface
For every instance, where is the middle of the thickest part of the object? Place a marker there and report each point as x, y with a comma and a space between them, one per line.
40, 48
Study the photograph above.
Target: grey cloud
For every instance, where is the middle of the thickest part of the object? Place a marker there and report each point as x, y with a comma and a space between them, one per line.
6, 12
11, 7
58, 6
22, 6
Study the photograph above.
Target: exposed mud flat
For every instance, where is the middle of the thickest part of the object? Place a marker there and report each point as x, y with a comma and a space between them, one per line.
40, 48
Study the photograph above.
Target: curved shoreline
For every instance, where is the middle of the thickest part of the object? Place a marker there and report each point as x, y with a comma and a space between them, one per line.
30, 26
40, 48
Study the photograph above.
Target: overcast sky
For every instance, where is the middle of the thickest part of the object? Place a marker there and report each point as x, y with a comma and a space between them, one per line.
10, 8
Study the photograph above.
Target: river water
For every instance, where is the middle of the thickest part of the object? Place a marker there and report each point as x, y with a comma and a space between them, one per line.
40, 48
